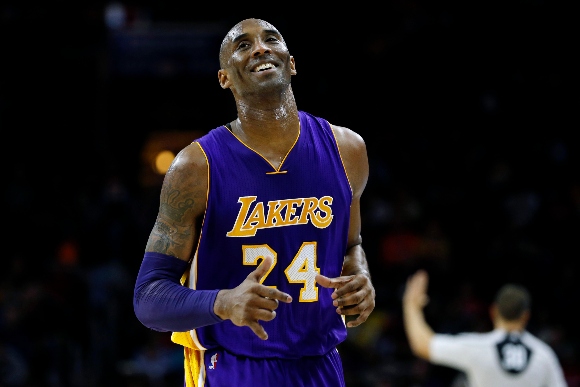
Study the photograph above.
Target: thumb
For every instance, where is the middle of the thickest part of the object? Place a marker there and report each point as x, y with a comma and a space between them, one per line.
263, 269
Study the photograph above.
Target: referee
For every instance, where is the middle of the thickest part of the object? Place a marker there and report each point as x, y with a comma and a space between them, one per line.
507, 356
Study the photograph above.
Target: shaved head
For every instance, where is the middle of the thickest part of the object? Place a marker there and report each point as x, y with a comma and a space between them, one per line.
236, 32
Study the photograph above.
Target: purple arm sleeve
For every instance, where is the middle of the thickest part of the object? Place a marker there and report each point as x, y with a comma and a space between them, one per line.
160, 301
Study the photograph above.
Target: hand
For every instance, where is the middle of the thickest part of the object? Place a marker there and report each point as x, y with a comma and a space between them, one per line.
415, 294
353, 295
251, 301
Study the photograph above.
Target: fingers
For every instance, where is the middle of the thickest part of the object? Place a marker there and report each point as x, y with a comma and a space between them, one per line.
346, 288
415, 294
360, 319
275, 294
363, 308
265, 310
323, 281
266, 291
259, 308
353, 295
258, 330
333, 283
269, 292
262, 269
417, 283
350, 286
258, 302
355, 303
422, 279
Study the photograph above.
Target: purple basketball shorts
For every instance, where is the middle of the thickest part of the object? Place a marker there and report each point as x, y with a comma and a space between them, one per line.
224, 369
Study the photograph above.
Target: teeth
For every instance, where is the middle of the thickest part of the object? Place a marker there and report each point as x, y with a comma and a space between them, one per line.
264, 66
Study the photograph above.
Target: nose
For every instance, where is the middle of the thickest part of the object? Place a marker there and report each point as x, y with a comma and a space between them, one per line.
260, 48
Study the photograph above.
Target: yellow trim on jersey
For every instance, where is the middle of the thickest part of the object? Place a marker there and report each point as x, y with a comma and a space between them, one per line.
193, 351
340, 155
192, 360
276, 170
193, 364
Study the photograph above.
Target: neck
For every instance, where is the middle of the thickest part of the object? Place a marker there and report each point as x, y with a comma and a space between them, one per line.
268, 117
510, 326
268, 128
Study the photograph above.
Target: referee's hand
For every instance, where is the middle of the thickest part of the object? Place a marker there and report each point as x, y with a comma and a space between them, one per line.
415, 294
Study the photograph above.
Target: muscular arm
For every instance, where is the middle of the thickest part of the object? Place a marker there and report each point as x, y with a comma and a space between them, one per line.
419, 333
354, 292
160, 301
182, 201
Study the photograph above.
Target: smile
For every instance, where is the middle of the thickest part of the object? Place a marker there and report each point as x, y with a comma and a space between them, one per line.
263, 67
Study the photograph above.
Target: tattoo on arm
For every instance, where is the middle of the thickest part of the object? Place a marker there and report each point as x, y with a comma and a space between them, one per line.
171, 231
162, 239
172, 207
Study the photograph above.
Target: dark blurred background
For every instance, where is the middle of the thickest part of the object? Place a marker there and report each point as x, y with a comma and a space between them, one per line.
469, 112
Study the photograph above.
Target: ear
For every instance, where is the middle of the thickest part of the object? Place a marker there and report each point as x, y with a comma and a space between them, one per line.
223, 79
526, 317
493, 312
292, 66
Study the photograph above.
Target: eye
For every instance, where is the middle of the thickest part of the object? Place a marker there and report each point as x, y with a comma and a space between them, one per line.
242, 45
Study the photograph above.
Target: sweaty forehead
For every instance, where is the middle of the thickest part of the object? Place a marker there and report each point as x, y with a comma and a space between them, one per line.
248, 26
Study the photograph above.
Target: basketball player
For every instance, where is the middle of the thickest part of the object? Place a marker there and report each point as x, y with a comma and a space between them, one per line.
260, 221
508, 356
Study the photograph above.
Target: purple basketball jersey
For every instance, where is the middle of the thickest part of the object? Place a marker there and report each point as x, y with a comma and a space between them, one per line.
298, 214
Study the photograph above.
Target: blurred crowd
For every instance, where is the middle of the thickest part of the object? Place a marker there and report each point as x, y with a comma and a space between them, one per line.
66, 316
474, 178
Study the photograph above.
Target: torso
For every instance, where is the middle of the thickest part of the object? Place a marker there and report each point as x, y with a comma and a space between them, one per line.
298, 211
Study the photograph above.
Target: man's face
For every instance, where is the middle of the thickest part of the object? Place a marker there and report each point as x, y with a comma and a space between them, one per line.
255, 58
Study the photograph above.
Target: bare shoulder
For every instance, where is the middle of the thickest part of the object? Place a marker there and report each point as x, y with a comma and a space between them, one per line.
190, 157
353, 151
185, 185
348, 138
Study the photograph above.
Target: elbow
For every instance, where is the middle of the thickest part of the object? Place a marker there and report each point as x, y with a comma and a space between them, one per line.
421, 350
419, 338
420, 342
148, 321
145, 315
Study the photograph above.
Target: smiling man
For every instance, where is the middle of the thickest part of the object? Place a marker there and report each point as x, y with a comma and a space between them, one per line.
255, 261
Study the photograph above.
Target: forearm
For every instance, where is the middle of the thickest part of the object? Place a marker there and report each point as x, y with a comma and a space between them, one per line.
160, 301
355, 261
419, 333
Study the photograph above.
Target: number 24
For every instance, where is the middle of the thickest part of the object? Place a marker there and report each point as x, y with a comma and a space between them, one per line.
302, 269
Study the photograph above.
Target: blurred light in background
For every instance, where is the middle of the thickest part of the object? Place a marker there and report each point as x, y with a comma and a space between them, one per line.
115, 16
163, 161
158, 152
